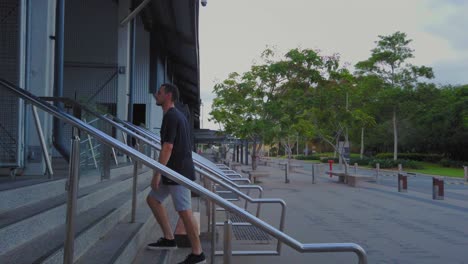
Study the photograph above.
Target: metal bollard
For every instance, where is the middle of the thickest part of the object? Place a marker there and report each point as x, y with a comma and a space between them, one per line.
377, 172
313, 174
400, 168
465, 168
286, 172
355, 168
402, 183
437, 188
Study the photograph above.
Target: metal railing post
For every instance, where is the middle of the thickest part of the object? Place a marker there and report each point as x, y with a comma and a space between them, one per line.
91, 148
227, 257
105, 156
72, 188
42, 141
135, 182
213, 226
259, 205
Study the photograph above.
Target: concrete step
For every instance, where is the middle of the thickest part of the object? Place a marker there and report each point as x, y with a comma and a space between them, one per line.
15, 194
19, 214
121, 244
90, 226
24, 224
162, 256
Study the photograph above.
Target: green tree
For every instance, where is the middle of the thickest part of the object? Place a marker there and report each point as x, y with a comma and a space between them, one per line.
437, 121
389, 61
244, 105
364, 97
300, 70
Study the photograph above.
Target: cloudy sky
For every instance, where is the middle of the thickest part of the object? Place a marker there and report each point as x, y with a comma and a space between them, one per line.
233, 33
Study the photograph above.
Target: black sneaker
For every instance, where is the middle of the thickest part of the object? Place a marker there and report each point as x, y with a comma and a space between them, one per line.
193, 259
163, 243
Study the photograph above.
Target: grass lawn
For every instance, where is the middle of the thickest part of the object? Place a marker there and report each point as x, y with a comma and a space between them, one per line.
428, 168
436, 169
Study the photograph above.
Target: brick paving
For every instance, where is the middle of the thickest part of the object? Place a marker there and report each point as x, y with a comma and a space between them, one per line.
392, 227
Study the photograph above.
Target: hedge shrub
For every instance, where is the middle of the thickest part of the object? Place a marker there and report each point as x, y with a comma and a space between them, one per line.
453, 163
390, 163
326, 159
308, 157
434, 158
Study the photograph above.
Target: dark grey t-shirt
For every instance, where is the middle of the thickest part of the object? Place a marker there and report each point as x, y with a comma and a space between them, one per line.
175, 130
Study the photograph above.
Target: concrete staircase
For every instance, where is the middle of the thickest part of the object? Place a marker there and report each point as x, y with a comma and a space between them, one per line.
172, 256
32, 220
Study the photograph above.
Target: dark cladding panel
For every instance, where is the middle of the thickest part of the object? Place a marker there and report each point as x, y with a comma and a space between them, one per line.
9, 70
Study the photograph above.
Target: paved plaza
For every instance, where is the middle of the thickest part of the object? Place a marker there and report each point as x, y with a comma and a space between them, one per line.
392, 227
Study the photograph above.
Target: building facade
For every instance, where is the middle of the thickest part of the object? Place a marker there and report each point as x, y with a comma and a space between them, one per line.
110, 55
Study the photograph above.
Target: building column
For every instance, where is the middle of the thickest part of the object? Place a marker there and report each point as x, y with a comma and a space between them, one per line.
123, 60
38, 79
246, 152
242, 152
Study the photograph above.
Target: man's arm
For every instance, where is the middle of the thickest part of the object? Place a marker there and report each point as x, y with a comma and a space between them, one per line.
164, 156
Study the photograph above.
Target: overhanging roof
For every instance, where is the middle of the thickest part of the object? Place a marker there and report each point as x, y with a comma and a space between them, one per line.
176, 21
207, 136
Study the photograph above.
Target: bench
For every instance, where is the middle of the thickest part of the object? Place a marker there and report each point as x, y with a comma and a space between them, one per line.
270, 163
295, 167
292, 166
254, 174
353, 179
235, 166
282, 164
264, 161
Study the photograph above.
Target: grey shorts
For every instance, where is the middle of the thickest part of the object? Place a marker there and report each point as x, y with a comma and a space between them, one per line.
181, 197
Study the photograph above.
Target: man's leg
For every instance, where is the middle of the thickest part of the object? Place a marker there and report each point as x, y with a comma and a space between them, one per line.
192, 231
160, 214
183, 205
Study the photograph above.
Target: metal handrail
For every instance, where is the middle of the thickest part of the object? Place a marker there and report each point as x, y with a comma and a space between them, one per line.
150, 139
210, 174
180, 179
154, 142
198, 159
213, 174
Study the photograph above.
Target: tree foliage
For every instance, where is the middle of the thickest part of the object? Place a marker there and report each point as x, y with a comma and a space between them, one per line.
307, 94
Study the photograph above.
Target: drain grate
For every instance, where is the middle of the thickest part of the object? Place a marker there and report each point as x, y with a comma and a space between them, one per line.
237, 219
227, 195
250, 233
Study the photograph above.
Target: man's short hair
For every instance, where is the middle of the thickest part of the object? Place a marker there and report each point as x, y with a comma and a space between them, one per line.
172, 89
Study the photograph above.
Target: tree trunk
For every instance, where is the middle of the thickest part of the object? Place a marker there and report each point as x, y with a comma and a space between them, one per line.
297, 146
255, 150
254, 155
395, 136
337, 146
362, 142
288, 150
